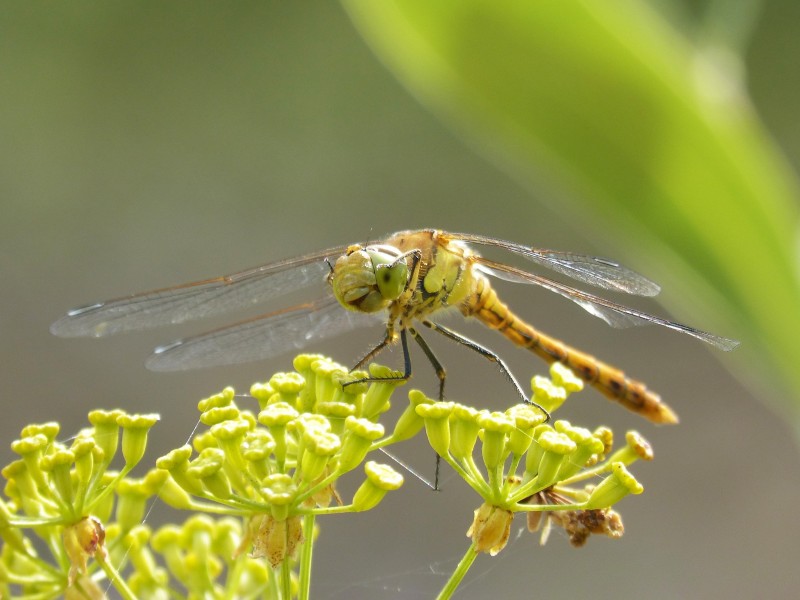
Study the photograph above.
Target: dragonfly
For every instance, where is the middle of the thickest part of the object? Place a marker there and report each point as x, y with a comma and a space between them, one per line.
407, 278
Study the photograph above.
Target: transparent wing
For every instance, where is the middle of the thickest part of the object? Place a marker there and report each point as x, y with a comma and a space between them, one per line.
269, 335
612, 313
196, 300
600, 272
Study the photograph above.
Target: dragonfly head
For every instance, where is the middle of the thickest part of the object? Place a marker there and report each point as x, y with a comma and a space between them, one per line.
369, 279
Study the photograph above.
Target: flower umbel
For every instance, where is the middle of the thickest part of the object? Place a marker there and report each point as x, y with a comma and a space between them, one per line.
65, 496
531, 466
278, 468
274, 469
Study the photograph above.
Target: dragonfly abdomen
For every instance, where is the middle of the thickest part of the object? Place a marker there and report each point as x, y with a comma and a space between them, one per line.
613, 383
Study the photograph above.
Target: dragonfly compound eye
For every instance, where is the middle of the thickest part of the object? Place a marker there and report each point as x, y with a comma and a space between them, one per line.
391, 279
391, 270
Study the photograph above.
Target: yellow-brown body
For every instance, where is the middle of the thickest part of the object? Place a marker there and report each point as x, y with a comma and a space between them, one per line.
447, 277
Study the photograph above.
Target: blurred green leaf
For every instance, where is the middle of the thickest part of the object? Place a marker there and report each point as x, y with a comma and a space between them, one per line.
655, 136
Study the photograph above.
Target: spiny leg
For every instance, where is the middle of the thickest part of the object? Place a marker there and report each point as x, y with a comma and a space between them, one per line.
375, 351
437, 366
442, 375
405, 376
487, 354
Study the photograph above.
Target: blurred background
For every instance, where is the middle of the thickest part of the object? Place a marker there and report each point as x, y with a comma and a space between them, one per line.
145, 144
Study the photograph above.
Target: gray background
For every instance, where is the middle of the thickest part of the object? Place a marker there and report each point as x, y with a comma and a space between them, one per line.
146, 144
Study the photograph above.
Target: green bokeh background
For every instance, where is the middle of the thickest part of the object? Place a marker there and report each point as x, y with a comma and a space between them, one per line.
144, 144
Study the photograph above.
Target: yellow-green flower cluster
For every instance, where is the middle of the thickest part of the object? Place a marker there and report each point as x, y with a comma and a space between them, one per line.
198, 559
268, 473
529, 465
64, 495
281, 464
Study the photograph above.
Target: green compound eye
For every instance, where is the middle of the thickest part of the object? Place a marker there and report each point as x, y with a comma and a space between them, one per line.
391, 279
391, 271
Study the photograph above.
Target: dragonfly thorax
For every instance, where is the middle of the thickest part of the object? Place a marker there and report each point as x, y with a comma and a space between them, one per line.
369, 279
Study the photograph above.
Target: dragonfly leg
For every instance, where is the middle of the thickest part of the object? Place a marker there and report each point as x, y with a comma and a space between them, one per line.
416, 263
375, 351
440, 373
487, 354
437, 366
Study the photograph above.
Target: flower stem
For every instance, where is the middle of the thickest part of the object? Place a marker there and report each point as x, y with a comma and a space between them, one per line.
115, 578
305, 557
458, 575
285, 580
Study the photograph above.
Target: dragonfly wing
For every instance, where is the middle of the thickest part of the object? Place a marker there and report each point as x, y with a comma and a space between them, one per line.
195, 300
593, 270
260, 338
616, 315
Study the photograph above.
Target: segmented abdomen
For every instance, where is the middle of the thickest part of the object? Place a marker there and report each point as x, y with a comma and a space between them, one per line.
484, 305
